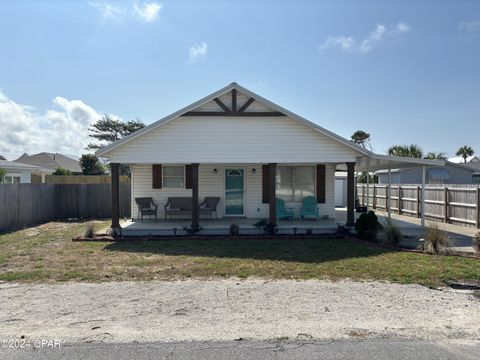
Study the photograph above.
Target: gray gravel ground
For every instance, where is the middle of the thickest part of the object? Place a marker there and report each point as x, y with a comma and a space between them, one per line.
225, 310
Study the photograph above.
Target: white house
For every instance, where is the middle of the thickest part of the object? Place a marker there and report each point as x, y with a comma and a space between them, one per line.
244, 150
19, 173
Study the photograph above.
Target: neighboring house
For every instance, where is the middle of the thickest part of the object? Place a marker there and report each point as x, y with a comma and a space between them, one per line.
451, 173
18, 173
473, 161
459, 159
51, 161
245, 150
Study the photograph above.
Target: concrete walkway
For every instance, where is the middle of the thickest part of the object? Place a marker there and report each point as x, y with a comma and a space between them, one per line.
411, 227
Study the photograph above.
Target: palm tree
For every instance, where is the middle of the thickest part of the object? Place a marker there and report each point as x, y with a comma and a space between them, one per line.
413, 151
436, 155
465, 151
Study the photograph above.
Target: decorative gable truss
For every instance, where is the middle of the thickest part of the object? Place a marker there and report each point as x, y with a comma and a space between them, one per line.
229, 105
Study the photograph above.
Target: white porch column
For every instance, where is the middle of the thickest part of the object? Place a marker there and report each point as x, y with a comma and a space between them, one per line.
423, 195
388, 193
42, 174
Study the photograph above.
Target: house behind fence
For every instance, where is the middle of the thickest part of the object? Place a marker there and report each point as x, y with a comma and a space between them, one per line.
453, 203
83, 179
23, 205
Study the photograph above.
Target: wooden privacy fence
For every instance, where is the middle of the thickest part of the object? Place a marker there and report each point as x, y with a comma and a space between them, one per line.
83, 179
27, 204
453, 203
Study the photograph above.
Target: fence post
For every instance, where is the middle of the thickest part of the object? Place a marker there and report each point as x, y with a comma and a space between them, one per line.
363, 195
399, 202
478, 207
374, 202
418, 201
445, 205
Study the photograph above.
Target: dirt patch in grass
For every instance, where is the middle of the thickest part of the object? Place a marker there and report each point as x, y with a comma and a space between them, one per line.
46, 253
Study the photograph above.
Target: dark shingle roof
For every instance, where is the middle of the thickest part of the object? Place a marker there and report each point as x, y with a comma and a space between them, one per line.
51, 161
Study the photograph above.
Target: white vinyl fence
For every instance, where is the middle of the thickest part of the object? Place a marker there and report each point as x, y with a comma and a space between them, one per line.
453, 203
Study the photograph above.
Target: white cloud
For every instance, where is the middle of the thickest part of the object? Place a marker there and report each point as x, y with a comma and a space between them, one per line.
147, 11
470, 26
345, 43
108, 10
198, 51
62, 129
374, 39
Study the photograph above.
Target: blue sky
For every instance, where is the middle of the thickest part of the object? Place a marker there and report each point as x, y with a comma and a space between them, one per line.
407, 72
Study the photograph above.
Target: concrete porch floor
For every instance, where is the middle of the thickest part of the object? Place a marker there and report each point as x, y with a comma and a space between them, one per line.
221, 226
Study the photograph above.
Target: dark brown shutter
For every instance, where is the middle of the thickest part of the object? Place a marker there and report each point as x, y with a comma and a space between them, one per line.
188, 176
156, 176
321, 183
265, 185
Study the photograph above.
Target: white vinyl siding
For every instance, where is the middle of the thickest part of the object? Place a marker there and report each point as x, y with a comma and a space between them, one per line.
211, 184
232, 140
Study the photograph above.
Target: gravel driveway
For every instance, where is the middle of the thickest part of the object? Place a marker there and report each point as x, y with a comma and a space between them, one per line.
230, 309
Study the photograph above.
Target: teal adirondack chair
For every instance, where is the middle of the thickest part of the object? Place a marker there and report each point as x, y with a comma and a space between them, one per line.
309, 208
280, 211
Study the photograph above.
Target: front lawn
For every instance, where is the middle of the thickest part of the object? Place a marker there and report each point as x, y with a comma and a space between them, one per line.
47, 253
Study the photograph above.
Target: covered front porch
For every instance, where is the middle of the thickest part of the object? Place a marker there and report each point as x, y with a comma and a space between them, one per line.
246, 193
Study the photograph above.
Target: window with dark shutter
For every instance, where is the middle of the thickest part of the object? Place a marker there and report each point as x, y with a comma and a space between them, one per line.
188, 176
265, 185
156, 176
321, 183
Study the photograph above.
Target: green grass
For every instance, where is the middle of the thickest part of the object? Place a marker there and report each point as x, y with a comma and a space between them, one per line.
47, 254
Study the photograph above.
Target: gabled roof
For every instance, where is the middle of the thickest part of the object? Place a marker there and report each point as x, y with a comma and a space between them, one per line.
51, 161
104, 151
13, 165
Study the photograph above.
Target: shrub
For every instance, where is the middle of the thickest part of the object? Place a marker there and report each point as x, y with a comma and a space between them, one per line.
436, 239
476, 242
91, 165
62, 171
234, 229
343, 230
90, 230
260, 224
368, 226
393, 234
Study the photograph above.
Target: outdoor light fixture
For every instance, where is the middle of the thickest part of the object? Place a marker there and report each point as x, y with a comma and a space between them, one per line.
215, 171
254, 171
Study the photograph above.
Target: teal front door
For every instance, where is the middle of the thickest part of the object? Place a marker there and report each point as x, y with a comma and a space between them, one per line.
234, 191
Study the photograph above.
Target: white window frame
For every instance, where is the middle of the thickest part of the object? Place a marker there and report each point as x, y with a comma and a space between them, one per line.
11, 176
173, 176
476, 177
292, 201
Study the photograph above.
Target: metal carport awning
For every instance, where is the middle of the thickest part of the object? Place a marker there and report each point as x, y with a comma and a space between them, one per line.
374, 162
